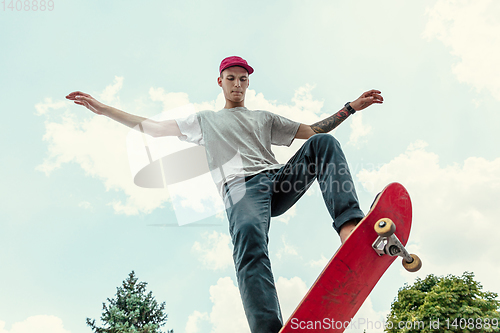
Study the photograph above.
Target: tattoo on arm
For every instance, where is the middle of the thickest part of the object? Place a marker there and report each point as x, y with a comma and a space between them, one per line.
326, 125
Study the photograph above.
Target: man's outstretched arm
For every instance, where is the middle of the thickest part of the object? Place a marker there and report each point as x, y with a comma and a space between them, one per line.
328, 124
147, 126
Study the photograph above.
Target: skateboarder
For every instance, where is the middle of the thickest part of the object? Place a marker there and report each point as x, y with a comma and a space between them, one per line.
254, 186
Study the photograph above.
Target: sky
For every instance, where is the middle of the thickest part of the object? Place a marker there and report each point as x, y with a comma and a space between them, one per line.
73, 223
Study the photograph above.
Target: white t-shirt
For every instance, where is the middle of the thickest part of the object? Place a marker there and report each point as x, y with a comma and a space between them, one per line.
238, 141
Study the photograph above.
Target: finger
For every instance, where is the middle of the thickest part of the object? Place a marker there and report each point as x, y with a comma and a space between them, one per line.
376, 100
76, 93
371, 92
83, 98
73, 94
376, 96
367, 94
82, 103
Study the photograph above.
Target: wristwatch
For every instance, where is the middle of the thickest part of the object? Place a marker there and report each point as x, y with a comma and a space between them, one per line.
349, 108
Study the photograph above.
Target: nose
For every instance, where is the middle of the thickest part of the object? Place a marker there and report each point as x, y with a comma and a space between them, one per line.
237, 83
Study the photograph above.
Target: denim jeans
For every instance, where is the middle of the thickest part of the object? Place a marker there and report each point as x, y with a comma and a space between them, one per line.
271, 193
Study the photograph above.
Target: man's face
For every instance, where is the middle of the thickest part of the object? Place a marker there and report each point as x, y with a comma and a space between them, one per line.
234, 83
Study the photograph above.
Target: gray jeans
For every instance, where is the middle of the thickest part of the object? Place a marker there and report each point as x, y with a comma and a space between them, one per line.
272, 193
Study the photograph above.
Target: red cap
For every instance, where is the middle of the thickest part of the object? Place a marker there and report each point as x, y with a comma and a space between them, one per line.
235, 61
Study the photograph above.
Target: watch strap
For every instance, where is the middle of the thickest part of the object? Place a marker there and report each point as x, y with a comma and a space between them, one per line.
349, 108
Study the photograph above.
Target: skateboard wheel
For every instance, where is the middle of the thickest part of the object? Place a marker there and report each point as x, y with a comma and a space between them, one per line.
385, 227
413, 266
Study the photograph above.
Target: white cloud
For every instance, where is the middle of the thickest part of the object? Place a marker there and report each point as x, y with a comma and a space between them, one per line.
215, 252
455, 211
36, 324
169, 100
320, 262
304, 108
471, 29
290, 293
227, 315
110, 93
358, 130
43, 107
98, 146
85, 205
287, 249
193, 320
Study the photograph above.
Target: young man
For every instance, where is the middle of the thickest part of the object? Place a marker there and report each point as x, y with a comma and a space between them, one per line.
254, 186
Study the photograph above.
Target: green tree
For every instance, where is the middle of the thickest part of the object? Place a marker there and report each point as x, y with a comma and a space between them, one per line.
444, 304
132, 311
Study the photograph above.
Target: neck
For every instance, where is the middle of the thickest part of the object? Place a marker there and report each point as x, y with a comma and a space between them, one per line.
231, 104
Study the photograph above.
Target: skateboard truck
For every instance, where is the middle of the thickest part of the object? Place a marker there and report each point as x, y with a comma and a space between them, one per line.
388, 243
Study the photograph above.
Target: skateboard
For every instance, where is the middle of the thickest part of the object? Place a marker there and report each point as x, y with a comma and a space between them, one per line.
356, 267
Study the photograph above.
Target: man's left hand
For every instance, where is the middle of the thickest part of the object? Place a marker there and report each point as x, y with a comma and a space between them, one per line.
367, 99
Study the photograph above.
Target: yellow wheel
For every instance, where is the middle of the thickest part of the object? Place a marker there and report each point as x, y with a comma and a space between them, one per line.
413, 266
385, 227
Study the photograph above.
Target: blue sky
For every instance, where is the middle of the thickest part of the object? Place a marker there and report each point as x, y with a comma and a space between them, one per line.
73, 224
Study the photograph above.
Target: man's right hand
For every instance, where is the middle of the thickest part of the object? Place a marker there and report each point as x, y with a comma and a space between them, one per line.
88, 101
148, 126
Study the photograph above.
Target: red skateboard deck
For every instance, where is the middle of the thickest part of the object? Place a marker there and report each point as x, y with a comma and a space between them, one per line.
354, 270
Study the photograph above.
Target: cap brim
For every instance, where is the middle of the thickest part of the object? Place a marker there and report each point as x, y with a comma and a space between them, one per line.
245, 66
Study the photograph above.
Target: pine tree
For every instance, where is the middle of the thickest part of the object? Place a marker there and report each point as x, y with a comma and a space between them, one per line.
132, 311
444, 304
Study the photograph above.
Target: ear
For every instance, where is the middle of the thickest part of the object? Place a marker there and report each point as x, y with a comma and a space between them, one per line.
219, 81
